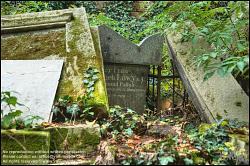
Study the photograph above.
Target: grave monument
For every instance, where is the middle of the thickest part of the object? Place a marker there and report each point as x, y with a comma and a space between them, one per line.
56, 35
126, 67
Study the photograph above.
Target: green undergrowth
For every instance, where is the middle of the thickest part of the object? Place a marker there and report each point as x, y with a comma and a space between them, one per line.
11, 116
223, 142
85, 107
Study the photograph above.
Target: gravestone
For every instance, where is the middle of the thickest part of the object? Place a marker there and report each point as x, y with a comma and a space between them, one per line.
56, 35
218, 96
33, 82
126, 67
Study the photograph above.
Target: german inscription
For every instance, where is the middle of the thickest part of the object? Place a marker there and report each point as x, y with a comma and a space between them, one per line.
126, 85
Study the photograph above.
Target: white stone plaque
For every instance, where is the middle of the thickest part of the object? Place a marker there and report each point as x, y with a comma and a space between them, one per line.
33, 82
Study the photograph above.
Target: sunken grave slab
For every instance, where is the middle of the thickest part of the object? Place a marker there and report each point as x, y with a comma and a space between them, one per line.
53, 35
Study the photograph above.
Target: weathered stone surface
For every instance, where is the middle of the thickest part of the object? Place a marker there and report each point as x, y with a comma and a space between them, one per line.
126, 85
24, 147
126, 67
217, 95
117, 49
51, 35
34, 83
100, 86
107, 154
82, 138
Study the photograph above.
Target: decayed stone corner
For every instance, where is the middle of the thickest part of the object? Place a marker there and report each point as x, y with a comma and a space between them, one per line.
81, 137
30, 147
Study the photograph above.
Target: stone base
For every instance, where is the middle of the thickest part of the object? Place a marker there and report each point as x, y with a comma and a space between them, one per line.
79, 139
24, 147
64, 143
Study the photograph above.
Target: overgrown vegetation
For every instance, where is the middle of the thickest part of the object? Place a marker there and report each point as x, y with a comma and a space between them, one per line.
11, 116
66, 109
176, 140
224, 25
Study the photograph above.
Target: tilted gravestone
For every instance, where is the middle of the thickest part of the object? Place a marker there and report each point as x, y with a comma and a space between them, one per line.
216, 97
56, 35
126, 67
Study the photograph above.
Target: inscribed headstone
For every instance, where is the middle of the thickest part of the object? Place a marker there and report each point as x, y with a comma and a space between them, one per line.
126, 67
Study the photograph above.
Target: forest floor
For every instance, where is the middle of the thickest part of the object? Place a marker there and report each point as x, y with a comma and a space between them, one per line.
176, 138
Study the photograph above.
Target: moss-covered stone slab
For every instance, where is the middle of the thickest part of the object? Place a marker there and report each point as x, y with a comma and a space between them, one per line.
52, 35
21, 147
218, 96
81, 138
100, 86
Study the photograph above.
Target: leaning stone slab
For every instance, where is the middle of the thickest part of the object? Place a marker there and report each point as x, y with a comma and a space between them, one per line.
216, 96
81, 138
20, 147
34, 83
126, 67
53, 35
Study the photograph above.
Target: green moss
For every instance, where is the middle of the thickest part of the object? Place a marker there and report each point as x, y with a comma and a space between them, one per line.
77, 138
77, 49
101, 91
31, 140
24, 141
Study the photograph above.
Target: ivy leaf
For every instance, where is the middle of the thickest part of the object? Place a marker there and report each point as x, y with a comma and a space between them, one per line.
213, 54
91, 113
55, 110
91, 89
194, 40
85, 81
86, 75
95, 77
90, 84
8, 119
241, 47
208, 75
73, 109
130, 111
173, 26
95, 71
28, 122
205, 57
12, 100
222, 71
241, 65
188, 161
246, 59
231, 68
166, 160
129, 131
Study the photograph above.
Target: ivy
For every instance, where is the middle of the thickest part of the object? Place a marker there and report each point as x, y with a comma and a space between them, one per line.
71, 109
12, 119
